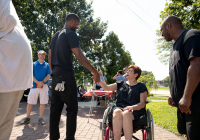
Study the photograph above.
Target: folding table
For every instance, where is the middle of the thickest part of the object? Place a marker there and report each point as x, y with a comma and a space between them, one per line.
97, 93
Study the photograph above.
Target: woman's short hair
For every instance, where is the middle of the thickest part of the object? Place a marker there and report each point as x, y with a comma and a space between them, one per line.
136, 70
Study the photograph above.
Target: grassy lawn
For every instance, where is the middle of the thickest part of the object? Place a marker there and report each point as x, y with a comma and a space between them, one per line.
164, 115
157, 98
163, 88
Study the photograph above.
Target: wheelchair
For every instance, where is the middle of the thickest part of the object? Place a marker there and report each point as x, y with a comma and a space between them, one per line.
145, 124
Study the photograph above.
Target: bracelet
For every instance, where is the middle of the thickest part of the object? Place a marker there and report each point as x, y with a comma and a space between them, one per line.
43, 81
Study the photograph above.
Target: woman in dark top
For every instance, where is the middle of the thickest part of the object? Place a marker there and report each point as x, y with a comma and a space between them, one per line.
130, 102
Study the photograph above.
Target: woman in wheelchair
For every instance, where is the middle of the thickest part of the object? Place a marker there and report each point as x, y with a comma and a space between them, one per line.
130, 102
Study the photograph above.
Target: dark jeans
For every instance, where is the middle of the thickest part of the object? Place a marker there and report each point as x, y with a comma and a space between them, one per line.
69, 97
189, 124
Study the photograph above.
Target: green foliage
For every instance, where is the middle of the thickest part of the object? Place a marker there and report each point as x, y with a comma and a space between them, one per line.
148, 79
163, 48
189, 13
164, 115
43, 18
155, 86
113, 57
163, 88
166, 81
144, 72
157, 98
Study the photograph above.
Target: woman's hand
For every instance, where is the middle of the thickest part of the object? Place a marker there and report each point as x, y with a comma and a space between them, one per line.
129, 108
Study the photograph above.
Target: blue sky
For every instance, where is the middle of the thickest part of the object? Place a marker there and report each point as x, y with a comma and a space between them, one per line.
135, 22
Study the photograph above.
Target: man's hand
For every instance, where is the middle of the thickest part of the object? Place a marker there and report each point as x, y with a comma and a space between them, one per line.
184, 105
40, 84
96, 77
171, 102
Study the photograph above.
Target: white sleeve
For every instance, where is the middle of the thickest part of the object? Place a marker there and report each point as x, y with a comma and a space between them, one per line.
8, 17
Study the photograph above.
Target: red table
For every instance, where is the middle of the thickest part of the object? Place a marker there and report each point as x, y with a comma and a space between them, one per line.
99, 93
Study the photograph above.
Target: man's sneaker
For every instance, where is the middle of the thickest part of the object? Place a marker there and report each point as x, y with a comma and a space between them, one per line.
41, 121
25, 121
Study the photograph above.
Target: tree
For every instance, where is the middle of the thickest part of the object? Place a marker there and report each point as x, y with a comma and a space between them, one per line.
148, 79
189, 13
144, 72
163, 48
166, 81
113, 57
43, 18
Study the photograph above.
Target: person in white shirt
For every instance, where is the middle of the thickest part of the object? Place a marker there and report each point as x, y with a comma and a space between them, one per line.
16, 67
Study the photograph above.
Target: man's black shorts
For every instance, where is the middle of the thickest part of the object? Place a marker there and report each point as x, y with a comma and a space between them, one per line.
189, 124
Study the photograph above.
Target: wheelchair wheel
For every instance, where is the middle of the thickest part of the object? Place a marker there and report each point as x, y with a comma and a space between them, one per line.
106, 131
150, 129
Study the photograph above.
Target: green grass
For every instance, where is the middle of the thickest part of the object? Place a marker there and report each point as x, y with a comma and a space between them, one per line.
164, 115
156, 98
163, 88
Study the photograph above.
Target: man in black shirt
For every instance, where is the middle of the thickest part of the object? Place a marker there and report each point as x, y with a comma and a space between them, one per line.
184, 71
63, 44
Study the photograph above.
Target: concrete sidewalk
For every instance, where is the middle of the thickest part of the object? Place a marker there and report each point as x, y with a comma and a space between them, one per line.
85, 131
161, 92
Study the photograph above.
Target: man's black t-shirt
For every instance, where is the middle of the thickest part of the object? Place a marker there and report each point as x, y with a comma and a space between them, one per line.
186, 47
61, 55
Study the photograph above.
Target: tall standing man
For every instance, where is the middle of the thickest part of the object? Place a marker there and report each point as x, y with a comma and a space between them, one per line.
15, 66
41, 75
184, 70
63, 44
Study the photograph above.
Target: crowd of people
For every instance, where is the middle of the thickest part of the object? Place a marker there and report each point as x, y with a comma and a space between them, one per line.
18, 72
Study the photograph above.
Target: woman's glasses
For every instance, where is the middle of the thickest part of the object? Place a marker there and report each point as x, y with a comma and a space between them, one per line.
130, 70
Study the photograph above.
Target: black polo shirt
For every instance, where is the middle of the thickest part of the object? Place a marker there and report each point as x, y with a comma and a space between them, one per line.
61, 55
186, 47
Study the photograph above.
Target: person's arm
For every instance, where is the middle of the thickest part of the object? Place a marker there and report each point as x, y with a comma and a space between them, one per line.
114, 78
49, 59
193, 79
40, 83
49, 84
170, 101
46, 78
83, 61
111, 87
141, 104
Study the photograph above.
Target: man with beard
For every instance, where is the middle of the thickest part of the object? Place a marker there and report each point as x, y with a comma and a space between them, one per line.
184, 71
64, 89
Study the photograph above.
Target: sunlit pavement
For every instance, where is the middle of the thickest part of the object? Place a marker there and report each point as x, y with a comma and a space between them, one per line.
85, 130
161, 92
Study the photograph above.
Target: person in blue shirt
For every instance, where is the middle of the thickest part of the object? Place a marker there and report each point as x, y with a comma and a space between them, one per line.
41, 75
119, 76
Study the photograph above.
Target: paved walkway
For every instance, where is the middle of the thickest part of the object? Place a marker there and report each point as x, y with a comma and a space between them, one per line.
85, 131
161, 92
